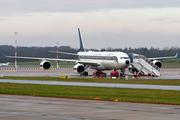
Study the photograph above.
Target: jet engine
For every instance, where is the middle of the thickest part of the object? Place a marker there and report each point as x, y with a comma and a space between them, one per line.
79, 68
45, 65
157, 63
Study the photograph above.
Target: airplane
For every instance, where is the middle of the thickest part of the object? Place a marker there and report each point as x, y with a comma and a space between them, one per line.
132, 61
4, 64
100, 61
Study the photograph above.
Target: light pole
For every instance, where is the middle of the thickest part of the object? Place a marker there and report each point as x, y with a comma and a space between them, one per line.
16, 33
57, 53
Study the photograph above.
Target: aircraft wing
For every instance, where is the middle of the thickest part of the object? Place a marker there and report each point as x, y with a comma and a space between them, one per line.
36, 58
54, 59
159, 58
64, 53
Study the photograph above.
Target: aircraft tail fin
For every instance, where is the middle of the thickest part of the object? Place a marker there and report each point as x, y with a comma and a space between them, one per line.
176, 55
81, 49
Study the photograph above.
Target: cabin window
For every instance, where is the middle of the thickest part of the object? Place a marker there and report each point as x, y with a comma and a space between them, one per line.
124, 58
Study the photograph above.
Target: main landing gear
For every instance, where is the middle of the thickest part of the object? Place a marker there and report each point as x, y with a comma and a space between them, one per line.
85, 73
99, 74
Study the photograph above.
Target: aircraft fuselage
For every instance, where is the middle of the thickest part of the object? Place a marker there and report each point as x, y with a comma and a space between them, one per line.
105, 60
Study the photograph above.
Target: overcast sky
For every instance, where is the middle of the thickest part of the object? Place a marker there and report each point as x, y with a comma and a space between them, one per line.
103, 23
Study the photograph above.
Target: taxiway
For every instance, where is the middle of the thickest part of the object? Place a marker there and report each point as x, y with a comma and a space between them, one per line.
169, 73
15, 107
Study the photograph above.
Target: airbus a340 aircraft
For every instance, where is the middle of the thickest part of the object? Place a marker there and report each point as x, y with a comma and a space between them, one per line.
99, 61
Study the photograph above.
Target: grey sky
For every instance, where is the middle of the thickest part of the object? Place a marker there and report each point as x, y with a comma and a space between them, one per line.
103, 23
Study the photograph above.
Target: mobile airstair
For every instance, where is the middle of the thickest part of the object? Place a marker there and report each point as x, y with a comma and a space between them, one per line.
140, 65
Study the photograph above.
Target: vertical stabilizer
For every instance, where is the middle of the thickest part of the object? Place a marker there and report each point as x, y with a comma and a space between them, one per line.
81, 49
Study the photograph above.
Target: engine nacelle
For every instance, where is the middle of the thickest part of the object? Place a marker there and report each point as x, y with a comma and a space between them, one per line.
157, 63
45, 65
79, 68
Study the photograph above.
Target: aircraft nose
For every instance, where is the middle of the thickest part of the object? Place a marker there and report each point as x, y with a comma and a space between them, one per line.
127, 62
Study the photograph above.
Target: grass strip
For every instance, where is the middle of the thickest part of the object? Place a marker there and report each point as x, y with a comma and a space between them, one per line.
107, 94
97, 80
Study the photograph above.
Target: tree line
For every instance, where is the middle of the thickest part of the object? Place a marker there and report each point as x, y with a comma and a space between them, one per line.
43, 52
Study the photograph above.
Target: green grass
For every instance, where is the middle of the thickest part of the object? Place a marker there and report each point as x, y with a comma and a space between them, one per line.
171, 63
107, 94
97, 80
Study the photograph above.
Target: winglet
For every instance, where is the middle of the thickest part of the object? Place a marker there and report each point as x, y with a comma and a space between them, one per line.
3, 54
81, 49
176, 55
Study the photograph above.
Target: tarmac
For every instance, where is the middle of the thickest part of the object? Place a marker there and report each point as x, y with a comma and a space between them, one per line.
56, 73
15, 107
168, 73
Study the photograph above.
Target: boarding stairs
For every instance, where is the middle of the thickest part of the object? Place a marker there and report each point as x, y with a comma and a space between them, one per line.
145, 67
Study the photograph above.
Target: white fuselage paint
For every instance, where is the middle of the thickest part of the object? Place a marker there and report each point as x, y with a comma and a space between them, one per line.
105, 64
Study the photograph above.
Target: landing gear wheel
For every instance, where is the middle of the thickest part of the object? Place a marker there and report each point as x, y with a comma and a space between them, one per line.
84, 74
122, 74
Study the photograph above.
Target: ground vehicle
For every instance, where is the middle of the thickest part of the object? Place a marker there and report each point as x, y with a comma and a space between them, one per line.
99, 74
114, 74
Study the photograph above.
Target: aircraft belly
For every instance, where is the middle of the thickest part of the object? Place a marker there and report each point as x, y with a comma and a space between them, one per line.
114, 65
98, 67
110, 65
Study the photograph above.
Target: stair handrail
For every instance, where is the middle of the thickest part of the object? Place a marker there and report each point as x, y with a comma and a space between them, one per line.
149, 62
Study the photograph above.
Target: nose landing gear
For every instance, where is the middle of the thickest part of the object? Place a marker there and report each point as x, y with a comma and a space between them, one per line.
122, 74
